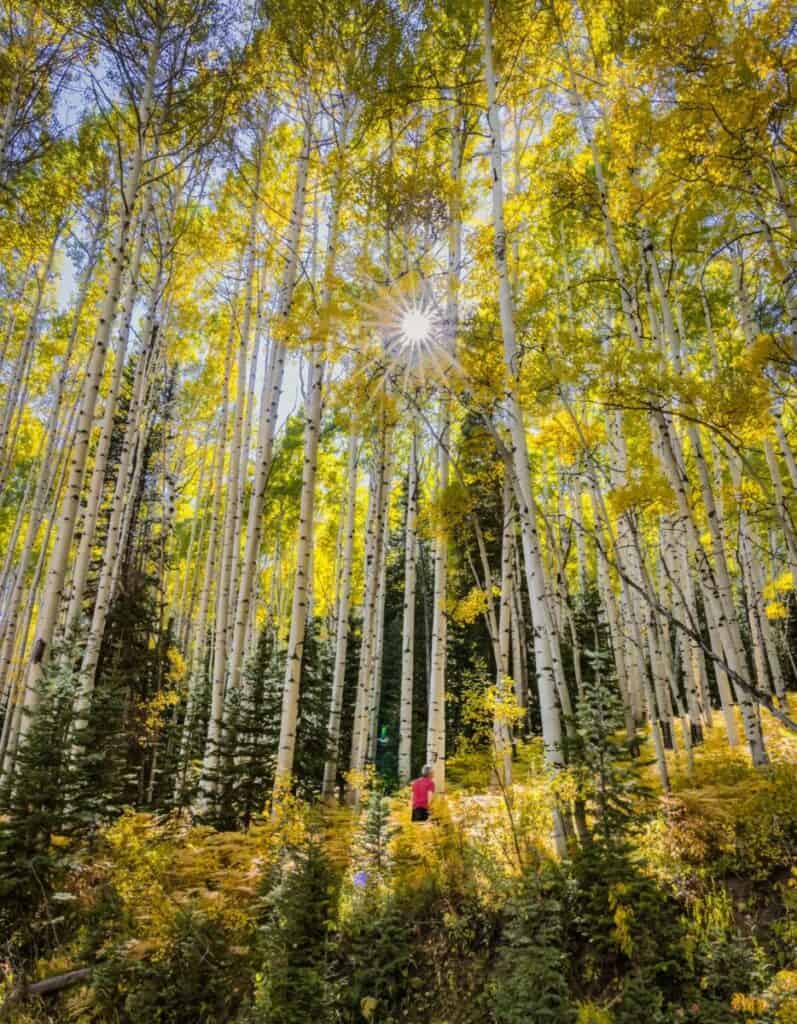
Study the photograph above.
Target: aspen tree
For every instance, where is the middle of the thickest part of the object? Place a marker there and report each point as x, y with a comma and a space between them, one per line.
342, 620
313, 407
436, 731
185, 603
57, 566
541, 618
379, 487
197, 669
269, 409
211, 752
237, 469
376, 671
408, 621
502, 740
116, 535
89, 522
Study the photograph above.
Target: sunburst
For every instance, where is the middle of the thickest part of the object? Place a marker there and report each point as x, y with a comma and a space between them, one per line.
410, 325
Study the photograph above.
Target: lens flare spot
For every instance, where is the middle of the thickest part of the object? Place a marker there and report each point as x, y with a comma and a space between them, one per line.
416, 326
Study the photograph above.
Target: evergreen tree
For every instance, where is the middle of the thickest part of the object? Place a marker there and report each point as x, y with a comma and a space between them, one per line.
33, 809
621, 924
373, 842
530, 981
249, 769
296, 930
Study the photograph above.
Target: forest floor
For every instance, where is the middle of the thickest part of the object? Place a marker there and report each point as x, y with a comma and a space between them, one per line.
323, 914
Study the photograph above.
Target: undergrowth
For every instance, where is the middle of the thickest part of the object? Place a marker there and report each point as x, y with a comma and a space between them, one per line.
683, 908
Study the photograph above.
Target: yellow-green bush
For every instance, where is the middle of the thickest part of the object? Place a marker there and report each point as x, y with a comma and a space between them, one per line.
740, 821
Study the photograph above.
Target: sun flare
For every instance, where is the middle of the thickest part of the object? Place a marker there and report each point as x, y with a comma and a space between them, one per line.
406, 317
416, 326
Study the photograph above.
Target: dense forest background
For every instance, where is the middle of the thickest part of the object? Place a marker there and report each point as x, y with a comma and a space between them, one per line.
383, 383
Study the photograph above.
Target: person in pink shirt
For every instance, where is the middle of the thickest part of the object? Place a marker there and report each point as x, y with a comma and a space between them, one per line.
422, 790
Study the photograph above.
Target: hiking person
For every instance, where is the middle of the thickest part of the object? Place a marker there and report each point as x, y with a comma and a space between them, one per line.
422, 789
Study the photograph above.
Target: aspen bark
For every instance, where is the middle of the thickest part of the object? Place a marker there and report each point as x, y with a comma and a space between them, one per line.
376, 673
240, 446
293, 669
269, 409
342, 624
115, 539
56, 569
502, 740
197, 672
380, 481
210, 760
436, 728
302, 593
88, 527
435, 737
408, 622
541, 619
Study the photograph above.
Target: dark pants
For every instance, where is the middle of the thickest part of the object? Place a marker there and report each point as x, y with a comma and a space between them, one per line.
420, 813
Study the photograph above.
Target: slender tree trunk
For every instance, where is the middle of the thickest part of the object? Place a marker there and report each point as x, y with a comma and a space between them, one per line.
436, 738
302, 592
436, 730
380, 482
196, 678
89, 525
240, 446
295, 652
408, 624
541, 619
269, 409
502, 739
342, 625
56, 569
115, 539
210, 763
376, 674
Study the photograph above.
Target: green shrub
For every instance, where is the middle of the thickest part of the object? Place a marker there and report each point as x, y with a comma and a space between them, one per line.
530, 981
297, 920
746, 827
199, 977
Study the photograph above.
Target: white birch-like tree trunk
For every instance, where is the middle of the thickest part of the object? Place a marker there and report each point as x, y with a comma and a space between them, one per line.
115, 539
541, 618
95, 489
57, 564
210, 761
302, 591
408, 622
502, 740
196, 676
342, 622
436, 728
376, 673
240, 445
379, 487
435, 734
269, 409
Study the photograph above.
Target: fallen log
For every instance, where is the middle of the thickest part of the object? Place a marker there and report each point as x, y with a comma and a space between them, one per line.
45, 987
